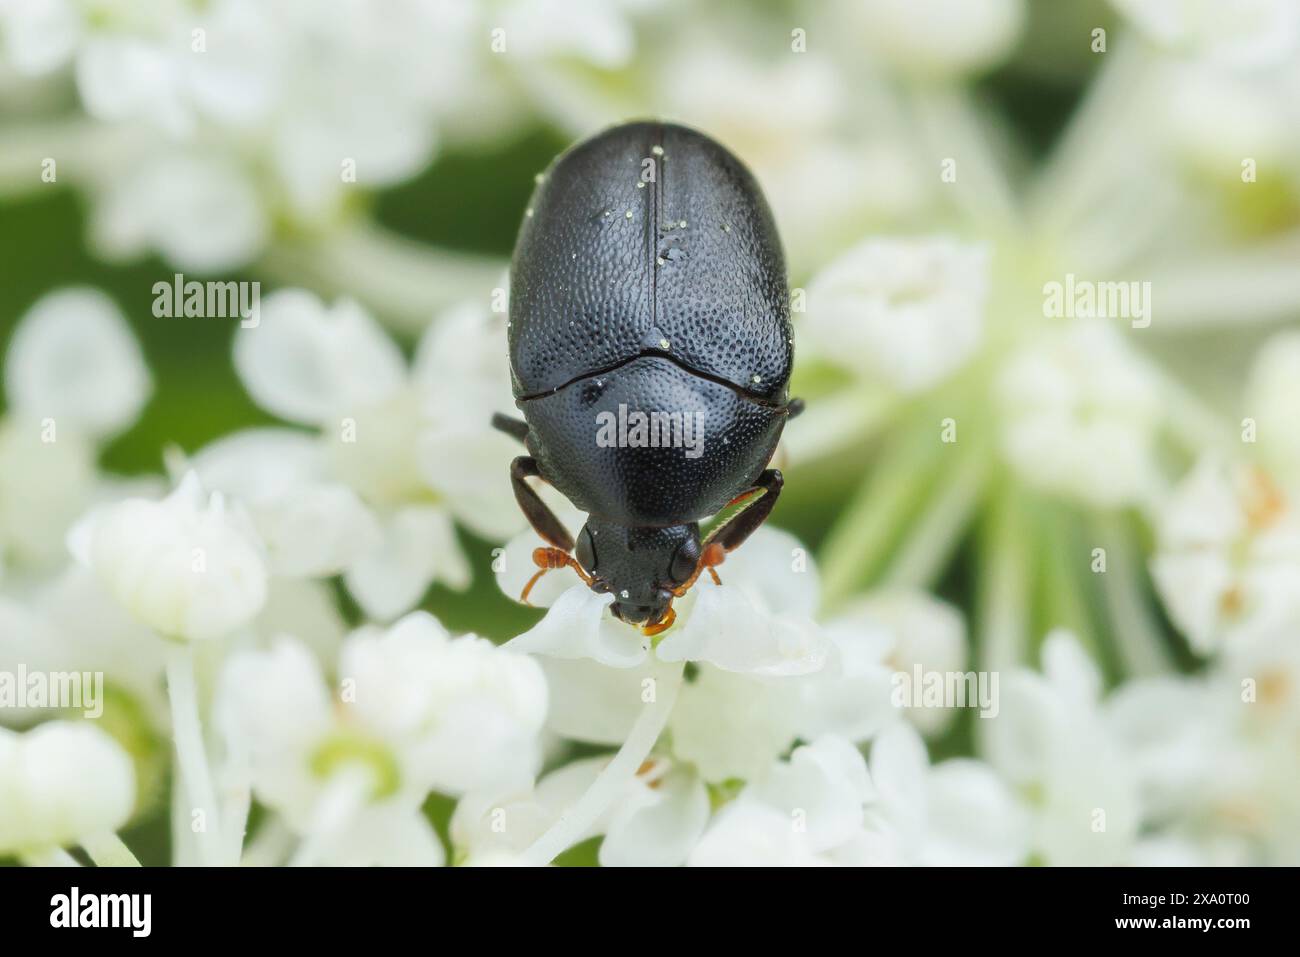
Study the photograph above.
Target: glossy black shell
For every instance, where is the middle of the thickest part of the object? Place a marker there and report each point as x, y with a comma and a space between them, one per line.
667, 296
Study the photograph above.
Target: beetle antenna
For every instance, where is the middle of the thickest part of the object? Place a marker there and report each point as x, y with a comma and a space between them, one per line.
548, 559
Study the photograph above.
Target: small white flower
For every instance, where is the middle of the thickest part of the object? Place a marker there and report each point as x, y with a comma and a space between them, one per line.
1051, 743
877, 638
73, 359
73, 377
958, 812
732, 726
655, 823
1082, 413
908, 310
1248, 34
591, 31
59, 783
416, 710
310, 364
473, 711
938, 37
311, 526
1215, 756
792, 121
185, 567
202, 212
38, 36
69, 623
1228, 556
1209, 119
808, 811
401, 454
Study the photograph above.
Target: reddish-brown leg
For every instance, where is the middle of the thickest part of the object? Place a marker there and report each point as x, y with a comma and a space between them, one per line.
549, 559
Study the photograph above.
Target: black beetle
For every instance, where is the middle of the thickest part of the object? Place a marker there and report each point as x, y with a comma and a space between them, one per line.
650, 353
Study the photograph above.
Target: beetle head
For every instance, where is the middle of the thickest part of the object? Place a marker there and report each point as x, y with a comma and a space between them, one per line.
640, 566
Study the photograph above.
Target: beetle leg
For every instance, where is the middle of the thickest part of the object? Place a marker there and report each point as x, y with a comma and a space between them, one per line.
515, 428
663, 624
548, 559
537, 512
794, 407
732, 533
713, 554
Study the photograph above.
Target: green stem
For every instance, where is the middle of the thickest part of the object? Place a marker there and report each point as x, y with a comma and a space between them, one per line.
612, 783
79, 148
191, 753
403, 281
1093, 147
951, 127
871, 522
1063, 558
1003, 587
1139, 638
931, 541
108, 850
48, 857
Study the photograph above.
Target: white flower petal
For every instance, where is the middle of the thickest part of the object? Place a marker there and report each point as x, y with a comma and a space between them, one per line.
579, 625
1073, 675
201, 212
390, 834
60, 782
733, 725
311, 527
661, 830
910, 310
308, 363
939, 37
594, 702
748, 833
418, 547
974, 820
468, 465
461, 713
725, 628
73, 359
514, 564
44, 488
186, 568
274, 707
776, 571
822, 788
899, 767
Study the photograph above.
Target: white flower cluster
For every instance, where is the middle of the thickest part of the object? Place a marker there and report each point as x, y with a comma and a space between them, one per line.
260, 608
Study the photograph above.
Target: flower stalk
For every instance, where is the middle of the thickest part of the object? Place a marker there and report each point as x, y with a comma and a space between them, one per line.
612, 782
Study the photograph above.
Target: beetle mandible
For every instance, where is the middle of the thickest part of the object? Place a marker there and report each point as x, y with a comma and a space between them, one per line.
648, 279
